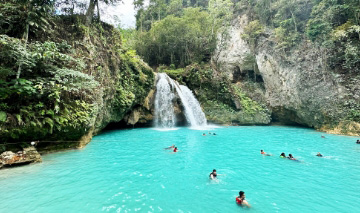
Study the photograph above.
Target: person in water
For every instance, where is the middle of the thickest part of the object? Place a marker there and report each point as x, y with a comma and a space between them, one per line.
358, 141
291, 157
282, 155
264, 153
319, 154
213, 174
241, 199
204, 134
176, 149
170, 147
214, 133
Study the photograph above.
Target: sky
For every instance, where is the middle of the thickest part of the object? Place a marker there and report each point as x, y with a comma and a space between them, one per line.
124, 11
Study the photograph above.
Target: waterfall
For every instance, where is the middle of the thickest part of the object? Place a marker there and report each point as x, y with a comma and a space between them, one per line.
164, 110
193, 111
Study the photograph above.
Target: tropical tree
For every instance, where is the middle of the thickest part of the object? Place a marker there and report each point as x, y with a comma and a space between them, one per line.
35, 15
91, 9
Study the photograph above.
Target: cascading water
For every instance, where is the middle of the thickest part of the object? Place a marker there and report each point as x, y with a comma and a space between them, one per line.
192, 107
164, 110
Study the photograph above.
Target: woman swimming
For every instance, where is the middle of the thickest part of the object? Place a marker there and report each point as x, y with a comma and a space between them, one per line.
241, 199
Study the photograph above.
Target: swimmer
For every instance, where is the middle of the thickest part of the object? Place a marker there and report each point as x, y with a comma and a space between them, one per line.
176, 149
204, 134
264, 153
358, 141
322, 136
291, 157
214, 133
170, 147
282, 155
213, 174
241, 200
319, 154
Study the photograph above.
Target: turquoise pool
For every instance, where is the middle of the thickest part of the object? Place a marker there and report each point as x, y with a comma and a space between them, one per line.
128, 170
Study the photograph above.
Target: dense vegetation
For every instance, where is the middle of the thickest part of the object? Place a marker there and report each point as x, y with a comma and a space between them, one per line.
165, 36
180, 33
62, 78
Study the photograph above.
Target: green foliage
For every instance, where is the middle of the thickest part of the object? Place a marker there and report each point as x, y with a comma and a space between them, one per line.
178, 40
19, 17
354, 115
248, 105
52, 95
252, 32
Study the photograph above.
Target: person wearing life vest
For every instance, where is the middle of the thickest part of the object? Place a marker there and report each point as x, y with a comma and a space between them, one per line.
240, 200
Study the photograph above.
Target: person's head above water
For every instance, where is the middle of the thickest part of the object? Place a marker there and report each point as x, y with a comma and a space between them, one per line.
241, 194
283, 154
214, 170
290, 155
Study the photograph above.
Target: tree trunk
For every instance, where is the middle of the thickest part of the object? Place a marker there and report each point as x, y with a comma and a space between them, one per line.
294, 20
90, 12
26, 37
98, 10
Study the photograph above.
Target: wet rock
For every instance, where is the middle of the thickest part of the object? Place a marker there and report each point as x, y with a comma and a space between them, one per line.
26, 156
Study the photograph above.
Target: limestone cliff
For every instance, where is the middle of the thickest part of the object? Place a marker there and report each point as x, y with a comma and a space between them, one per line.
298, 86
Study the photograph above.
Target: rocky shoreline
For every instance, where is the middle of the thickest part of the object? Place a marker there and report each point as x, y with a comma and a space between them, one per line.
26, 156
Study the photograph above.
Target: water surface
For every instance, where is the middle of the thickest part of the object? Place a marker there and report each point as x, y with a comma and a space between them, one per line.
128, 170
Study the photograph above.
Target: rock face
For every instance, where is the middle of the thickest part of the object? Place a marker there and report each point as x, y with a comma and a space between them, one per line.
28, 155
299, 88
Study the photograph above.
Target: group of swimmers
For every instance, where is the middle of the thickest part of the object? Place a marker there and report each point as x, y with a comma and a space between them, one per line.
209, 134
240, 200
290, 157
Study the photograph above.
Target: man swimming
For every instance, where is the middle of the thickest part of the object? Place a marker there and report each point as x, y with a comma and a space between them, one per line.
241, 200
213, 174
176, 149
291, 157
282, 155
319, 154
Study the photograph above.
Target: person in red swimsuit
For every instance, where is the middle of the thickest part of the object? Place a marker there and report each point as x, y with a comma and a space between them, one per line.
176, 149
241, 200
264, 153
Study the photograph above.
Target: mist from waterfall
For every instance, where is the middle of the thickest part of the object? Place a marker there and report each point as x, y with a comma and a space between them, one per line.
164, 108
